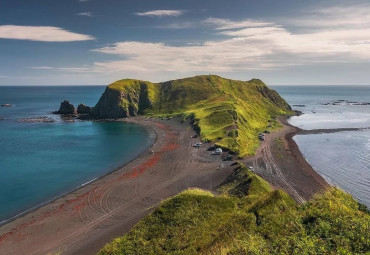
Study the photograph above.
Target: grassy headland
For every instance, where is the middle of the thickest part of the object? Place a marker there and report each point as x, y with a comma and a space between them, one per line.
229, 112
249, 218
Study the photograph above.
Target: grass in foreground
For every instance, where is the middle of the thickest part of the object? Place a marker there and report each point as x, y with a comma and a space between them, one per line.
249, 218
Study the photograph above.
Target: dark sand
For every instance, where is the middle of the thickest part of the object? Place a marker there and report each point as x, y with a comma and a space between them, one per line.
84, 220
279, 161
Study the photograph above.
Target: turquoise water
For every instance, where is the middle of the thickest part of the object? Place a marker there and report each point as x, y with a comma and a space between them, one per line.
343, 158
40, 161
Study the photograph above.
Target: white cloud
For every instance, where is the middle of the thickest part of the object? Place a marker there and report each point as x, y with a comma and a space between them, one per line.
41, 33
223, 24
86, 14
161, 13
64, 69
250, 45
241, 46
347, 15
182, 25
41, 67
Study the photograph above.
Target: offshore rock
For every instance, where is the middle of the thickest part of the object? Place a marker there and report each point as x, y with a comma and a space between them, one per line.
66, 108
83, 109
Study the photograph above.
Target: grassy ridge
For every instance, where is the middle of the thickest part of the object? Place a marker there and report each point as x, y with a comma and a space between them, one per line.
249, 218
229, 112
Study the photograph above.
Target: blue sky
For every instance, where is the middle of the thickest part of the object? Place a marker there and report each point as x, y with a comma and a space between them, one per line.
83, 42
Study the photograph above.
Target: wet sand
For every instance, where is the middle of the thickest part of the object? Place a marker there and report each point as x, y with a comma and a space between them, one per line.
84, 220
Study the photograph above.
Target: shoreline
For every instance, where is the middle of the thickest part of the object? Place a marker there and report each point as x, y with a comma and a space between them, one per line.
280, 162
82, 221
67, 224
51, 200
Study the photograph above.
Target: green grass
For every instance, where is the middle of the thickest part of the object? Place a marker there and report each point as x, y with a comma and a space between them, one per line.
248, 217
231, 113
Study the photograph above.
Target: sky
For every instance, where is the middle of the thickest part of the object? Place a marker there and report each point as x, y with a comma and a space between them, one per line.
95, 42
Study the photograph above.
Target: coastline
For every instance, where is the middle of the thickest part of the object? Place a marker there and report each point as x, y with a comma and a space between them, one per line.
51, 200
279, 161
82, 221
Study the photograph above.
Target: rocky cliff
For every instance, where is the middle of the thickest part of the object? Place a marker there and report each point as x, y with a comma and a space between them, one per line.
229, 112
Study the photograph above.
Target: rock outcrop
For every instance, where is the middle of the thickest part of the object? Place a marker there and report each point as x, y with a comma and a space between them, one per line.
232, 113
66, 108
83, 109
124, 99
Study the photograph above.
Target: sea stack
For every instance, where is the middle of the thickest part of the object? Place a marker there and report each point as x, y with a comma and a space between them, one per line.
66, 108
83, 109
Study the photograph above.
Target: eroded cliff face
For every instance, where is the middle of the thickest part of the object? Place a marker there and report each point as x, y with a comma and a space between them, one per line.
121, 103
110, 105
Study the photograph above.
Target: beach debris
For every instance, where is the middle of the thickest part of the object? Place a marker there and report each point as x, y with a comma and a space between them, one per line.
66, 108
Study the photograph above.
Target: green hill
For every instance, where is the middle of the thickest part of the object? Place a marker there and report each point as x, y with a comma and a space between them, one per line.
229, 112
249, 218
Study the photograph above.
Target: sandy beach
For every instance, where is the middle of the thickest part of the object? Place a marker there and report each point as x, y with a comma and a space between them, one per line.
84, 220
279, 161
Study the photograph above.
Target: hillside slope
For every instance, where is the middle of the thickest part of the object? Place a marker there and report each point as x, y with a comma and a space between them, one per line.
249, 218
229, 112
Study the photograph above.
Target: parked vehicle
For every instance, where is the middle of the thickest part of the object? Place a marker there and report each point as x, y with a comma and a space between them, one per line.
261, 136
217, 151
228, 158
211, 148
197, 145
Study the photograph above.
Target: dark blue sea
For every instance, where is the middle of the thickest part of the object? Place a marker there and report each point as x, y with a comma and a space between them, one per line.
343, 158
40, 161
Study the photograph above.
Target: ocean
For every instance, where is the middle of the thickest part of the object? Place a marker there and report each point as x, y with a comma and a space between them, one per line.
343, 158
40, 161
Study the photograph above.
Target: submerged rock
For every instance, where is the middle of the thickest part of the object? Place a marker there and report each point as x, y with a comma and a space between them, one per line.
66, 108
83, 109
37, 119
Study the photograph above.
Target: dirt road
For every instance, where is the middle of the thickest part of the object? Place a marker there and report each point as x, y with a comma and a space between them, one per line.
279, 161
